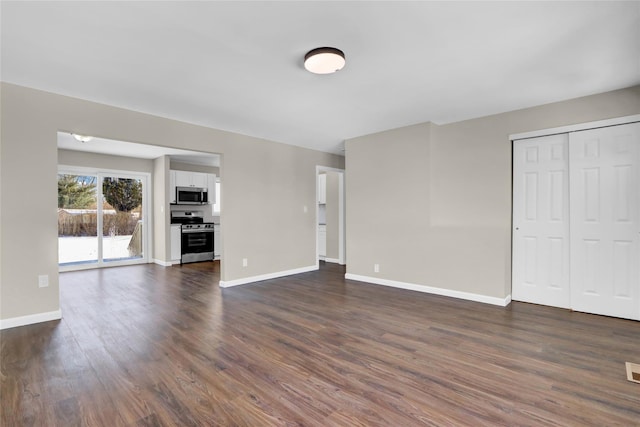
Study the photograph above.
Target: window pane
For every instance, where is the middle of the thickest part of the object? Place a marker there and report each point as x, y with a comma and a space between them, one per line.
77, 219
122, 218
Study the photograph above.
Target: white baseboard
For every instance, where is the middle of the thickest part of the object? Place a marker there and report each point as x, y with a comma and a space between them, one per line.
14, 322
503, 302
333, 260
165, 263
252, 279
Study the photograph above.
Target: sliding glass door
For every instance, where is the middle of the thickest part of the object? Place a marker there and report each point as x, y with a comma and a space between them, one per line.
101, 218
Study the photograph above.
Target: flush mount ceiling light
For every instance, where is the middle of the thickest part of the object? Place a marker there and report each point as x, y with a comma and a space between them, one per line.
82, 138
324, 60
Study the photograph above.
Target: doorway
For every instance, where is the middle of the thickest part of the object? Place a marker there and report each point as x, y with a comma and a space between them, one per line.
330, 215
102, 218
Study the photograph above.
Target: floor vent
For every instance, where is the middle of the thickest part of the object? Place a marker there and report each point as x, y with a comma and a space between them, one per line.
633, 372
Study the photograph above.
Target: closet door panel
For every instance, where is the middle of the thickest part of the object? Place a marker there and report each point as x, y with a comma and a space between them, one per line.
605, 221
540, 221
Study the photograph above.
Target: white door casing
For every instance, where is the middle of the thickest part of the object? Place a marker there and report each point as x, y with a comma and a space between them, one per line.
540, 271
605, 221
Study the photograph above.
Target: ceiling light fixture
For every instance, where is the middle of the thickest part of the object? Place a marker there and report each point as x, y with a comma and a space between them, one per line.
82, 138
324, 60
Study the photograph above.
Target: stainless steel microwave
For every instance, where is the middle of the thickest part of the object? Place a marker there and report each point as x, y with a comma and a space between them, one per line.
192, 196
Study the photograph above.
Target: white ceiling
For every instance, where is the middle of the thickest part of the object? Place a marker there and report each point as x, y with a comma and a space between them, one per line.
237, 66
66, 141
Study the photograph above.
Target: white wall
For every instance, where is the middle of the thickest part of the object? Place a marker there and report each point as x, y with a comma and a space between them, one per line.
432, 204
267, 186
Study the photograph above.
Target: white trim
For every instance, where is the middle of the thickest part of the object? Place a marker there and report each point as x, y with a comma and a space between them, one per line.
94, 265
164, 263
341, 212
333, 260
14, 322
577, 127
252, 279
503, 302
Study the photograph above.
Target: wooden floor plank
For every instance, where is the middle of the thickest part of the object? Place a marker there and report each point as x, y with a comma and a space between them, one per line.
152, 346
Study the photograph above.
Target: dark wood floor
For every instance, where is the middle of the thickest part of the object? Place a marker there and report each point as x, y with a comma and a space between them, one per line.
147, 345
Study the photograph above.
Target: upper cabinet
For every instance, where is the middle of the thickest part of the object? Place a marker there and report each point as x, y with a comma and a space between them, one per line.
192, 179
322, 189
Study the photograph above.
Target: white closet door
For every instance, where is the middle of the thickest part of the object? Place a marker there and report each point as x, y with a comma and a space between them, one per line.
541, 221
605, 222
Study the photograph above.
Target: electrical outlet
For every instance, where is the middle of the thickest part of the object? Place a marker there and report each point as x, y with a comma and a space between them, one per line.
245, 262
376, 268
43, 280
633, 372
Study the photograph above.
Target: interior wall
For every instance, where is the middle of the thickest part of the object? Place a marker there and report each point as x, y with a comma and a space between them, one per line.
194, 168
440, 216
387, 209
104, 161
161, 220
267, 187
331, 215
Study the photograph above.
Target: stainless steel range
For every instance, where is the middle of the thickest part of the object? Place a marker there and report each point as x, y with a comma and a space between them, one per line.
196, 236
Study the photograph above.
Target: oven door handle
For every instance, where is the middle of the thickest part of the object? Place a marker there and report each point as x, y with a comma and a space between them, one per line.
196, 231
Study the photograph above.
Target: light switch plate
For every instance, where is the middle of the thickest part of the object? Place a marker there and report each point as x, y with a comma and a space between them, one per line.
43, 280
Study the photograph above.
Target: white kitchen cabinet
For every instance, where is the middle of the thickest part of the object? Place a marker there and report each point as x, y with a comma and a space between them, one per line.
199, 179
179, 178
322, 189
322, 241
182, 178
191, 179
176, 248
217, 245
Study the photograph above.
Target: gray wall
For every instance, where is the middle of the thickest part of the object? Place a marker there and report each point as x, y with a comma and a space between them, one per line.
432, 204
267, 186
161, 218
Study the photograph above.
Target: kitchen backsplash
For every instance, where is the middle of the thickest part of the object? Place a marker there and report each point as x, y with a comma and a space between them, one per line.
204, 209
